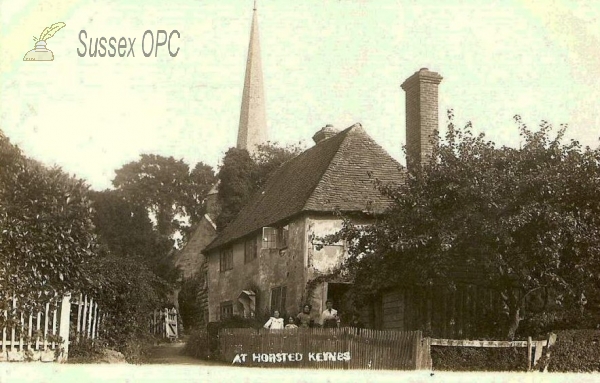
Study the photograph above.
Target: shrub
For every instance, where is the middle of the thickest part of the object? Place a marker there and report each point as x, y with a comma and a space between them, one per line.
576, 351
198, 345
479, 358
86, 351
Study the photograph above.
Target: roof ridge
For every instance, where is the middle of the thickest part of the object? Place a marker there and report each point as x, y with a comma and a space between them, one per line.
345, 133
335, 160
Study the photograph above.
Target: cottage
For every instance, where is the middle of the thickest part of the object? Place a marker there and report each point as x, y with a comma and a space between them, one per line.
269, 257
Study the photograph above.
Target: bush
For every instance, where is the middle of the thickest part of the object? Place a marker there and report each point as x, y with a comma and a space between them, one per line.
479, 358
576, 351
198, 345
86, 351
137, 349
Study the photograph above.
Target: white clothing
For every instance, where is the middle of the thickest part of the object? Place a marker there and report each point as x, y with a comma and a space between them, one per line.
329, 314
274, 323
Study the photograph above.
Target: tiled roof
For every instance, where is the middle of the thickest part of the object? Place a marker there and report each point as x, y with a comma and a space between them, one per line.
332, 175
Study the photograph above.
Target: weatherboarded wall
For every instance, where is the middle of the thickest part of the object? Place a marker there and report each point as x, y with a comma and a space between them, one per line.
459, 313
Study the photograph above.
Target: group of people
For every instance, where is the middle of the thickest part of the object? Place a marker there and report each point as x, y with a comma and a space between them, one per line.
329, 319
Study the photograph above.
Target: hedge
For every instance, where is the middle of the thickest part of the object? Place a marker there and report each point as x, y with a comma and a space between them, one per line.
576, 351
479, 358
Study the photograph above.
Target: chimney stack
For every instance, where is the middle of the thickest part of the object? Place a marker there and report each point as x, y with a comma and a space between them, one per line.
325, 133
421, 115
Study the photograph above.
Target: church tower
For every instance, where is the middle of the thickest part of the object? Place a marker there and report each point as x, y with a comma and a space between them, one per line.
253, 121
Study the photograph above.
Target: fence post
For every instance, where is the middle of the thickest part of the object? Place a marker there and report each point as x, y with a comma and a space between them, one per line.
416, 349
529, 353
63, 329
551, 341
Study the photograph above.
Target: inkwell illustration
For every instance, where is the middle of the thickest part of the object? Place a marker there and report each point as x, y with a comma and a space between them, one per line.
40, 52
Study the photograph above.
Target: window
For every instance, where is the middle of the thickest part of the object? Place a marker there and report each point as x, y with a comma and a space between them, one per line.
278, 299
269, 238
283, 237
250, 250
226, 310
226, 259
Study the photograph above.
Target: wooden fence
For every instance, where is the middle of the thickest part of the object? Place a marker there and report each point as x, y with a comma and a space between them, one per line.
342, 348
88, 320
535, 348
44, 335
164, 323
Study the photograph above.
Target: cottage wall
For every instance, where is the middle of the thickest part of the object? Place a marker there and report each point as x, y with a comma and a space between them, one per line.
226, 286
273, 268
321, 260
285, 267
190, 258
294, 267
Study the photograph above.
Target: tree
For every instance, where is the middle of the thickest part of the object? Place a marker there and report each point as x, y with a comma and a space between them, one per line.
242, 175
236, 184
166, 188
126, 231
123, 227
46, 231
525, 220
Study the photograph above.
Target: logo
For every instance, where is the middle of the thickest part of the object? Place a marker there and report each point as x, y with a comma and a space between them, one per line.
40, 52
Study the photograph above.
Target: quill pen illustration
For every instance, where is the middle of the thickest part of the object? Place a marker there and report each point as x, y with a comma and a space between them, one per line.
40, 52
51, 30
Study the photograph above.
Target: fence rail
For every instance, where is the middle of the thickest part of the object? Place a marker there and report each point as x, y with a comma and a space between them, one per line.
341, 348
535, 348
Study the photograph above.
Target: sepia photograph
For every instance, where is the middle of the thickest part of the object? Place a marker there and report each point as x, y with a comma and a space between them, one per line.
299, 191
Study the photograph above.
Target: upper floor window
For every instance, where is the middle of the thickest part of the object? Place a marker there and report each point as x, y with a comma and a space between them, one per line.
250, 250
226, 259
269, 238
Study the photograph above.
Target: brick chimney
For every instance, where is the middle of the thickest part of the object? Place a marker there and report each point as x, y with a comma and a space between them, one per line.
325, 133
421, 115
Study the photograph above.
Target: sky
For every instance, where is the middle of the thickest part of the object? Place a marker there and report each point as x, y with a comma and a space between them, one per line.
324, 62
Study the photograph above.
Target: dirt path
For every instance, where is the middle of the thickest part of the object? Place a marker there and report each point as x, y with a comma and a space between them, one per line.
172, 353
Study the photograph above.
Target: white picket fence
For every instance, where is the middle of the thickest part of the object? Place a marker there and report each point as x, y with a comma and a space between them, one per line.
45, 335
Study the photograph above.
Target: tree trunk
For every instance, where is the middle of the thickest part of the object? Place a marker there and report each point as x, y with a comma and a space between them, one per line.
514, 319
514, 312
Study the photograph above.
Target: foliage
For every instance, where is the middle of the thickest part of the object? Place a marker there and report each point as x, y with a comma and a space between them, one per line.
478, 358
576, 351
236, 185
46, 231
167, 189
123, 227
197, 345
125, 230
127, 292
242, 175
86, 351
523, 221
190, 308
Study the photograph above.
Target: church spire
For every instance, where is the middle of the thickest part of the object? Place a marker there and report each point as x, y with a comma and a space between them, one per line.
253, 121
